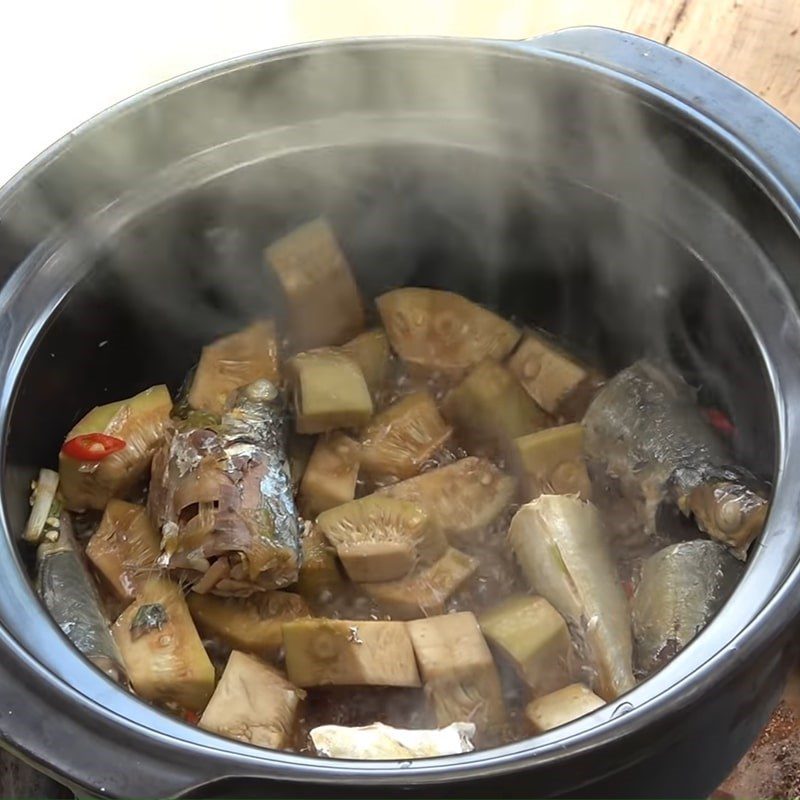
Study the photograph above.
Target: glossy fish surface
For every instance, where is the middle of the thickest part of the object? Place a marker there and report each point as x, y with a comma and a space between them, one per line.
647, 444
222, 498
681, 588
564, 556
69, 594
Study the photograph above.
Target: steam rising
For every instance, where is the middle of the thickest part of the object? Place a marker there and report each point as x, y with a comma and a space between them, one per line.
528, 187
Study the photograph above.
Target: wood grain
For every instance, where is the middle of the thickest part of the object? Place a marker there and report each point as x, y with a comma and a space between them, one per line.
756, 42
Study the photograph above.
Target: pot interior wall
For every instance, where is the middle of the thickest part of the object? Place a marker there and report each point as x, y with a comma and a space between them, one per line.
529, 244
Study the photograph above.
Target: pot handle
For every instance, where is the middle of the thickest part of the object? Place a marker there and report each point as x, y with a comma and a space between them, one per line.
737, 112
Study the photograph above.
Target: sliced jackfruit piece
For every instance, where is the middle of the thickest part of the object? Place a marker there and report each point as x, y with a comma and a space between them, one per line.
551, 376
402, 438
330, 476
331, 652
253, 624
552, 462
561, 707
458, 670
329, 392
162, 652
490, 406
232, 362
298, 450
424, 592
436, 331
141, 422
323, 300
381, 538
534, 637
253, 703
462, 498
124, 548
370, 350
319, 570
376, 561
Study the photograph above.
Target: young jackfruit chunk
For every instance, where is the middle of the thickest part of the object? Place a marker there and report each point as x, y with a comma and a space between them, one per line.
548, 373
162, 652
457, 667
330, 476
561, 707
329, 392
551, 462
319, 570
490, 406
534, 637
298, 450
323, 300
400, 439
124, 548
436, 331
370, 350
424, 592
141, 422
253, 624
252, 703
330, 652
381, 538
461, 498
232, 362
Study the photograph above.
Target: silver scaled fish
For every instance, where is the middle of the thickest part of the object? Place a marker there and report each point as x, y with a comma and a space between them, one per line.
681, 588
69, 594
221, 495
647, 444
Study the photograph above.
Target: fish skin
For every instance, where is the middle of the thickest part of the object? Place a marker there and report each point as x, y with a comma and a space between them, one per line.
67, 591
562, 550
681, 588
238, 461
646, 440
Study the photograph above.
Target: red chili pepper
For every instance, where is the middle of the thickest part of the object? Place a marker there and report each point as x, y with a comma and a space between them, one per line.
192, 717
92, 446
720, 420
628, 588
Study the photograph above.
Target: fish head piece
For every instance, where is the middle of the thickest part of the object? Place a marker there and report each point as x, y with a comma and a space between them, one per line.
730, 513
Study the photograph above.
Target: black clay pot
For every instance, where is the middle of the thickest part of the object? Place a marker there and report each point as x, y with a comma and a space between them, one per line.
591, 182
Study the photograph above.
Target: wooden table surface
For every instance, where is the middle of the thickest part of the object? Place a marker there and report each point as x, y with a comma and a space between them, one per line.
755, 42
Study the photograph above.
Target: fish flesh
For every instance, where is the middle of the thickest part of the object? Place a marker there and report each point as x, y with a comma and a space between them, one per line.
221, 496
559, 543
647, 444
69, 594
681, 588
379, 741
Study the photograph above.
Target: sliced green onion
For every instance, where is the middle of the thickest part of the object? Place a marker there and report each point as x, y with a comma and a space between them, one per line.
43, 499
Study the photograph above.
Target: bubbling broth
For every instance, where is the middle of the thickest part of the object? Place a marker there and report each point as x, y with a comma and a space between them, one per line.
396, 529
